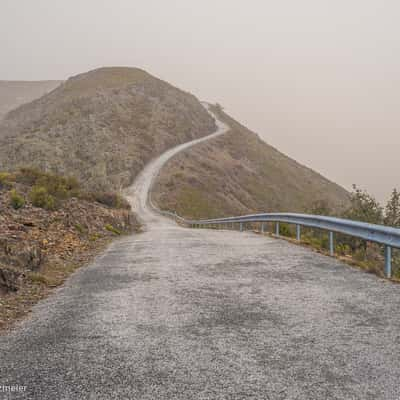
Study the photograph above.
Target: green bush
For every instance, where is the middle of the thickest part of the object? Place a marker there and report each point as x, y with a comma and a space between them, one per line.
94, 237
16, 200
343, 249
364, 207
110, 199
5, 180
57, 186
284, 230
111, 229
392, 210
40, 197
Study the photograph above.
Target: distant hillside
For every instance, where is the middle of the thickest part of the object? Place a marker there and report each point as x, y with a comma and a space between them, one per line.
101, 127
16, 93
238, 173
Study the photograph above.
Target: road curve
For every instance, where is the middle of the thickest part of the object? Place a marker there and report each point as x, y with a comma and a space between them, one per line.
138, 193
175, 313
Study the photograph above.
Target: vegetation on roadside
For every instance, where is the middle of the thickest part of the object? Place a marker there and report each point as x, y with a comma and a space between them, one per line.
112, 229
49, 226
16, 200
48, 191
365, 208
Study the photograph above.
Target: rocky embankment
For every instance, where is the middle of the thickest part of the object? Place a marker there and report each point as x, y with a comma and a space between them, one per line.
41, 245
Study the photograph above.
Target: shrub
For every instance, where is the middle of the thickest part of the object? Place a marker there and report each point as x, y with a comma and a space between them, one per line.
343, 249
392, 209
16, 200
111, 229
284, 230
57, 186
364, 207
110, 199
5, 180
94, 237
41, 198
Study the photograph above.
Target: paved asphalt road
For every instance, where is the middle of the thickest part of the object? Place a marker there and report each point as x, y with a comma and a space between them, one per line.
175, 313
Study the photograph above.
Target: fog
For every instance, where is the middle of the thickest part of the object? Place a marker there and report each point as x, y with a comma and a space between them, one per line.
317, 79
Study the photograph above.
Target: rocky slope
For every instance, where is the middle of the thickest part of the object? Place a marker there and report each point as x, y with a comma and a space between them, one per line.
16, 93
238, 173
41, 245
101, 127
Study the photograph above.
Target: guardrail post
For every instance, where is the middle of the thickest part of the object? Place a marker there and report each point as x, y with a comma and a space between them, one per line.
298, 233
331, 249
388, 261
262, 228
241, 227
277, 229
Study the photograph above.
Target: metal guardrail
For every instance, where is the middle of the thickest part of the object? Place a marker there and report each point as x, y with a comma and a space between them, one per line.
387, 236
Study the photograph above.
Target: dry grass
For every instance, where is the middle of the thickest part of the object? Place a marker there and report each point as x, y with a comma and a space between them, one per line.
237, 173
101, 127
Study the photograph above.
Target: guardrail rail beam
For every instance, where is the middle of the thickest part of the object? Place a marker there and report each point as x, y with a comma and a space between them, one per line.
387, 236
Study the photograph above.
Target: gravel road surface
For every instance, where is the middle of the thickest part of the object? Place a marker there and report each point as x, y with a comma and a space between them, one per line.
174, 313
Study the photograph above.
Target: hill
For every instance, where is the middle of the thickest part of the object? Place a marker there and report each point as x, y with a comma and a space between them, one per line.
16, 93
238, 173
101, 127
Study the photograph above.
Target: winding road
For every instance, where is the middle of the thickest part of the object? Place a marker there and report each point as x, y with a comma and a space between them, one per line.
175, 313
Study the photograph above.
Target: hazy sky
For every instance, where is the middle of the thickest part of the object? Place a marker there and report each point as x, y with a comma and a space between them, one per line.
319, 80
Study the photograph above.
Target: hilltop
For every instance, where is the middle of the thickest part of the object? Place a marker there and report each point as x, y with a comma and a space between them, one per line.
238, 173
101, 127
15, 93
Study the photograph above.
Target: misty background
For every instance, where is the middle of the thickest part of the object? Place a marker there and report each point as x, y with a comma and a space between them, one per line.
319, 80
